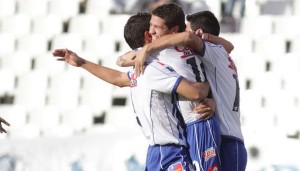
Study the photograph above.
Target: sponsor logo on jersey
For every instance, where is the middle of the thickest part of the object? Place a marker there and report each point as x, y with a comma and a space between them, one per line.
176, 167
133, 81
213, 168
209, 153
187, 52
231, 64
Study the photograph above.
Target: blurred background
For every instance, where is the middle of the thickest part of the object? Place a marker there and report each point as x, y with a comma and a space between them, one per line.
64, 119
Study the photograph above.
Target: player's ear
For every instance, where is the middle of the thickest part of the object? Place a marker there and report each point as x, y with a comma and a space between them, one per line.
147, 36
199, 32
175, 29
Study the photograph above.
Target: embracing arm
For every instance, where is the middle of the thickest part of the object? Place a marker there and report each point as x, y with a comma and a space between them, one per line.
193, 90
127, 59
185, 38
109, 75
228, 46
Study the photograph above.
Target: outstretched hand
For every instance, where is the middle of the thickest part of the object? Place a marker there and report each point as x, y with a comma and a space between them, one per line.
1, 128
68, 56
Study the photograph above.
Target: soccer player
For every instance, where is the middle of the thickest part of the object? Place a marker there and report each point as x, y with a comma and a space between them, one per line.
223, 78
203, 134
5, 122
154, 99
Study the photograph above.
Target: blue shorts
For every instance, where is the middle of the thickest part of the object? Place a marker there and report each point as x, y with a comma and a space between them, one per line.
233, 154
204, 140
168, 158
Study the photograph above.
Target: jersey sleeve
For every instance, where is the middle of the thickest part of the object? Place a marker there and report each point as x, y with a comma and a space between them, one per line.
162, 77
211, 54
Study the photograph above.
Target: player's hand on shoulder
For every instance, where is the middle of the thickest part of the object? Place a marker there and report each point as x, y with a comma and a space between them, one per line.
139, 61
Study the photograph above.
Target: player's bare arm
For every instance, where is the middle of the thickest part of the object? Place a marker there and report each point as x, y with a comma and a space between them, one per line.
228, 46
127, 59
109, 75
192, 40
193, 90
5, 122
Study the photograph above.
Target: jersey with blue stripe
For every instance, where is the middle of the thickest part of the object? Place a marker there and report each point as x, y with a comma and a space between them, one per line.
203, 137
222, 76
153, 95
186, 63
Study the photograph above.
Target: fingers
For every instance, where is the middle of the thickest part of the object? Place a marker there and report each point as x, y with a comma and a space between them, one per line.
2, 130
4, 121
137, 69
59, 52
205, 116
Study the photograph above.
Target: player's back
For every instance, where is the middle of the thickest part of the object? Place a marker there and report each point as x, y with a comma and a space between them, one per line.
187, 64
221, 73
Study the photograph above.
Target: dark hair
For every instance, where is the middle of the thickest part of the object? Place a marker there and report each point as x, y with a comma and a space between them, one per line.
172, 14
135, 28
206, 21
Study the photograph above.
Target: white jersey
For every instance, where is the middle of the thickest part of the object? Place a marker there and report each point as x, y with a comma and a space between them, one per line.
222, 75
187, 64
153, 95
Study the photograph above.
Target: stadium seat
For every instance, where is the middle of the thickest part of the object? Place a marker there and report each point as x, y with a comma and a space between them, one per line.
252, 64
46, 119
64, 90
7, 43
85, 25
100, 9
79, 119
296, 8
265, 23
19, 62
31, 89
7, 8
13, 24
243, 43
121, 117
290, 67
33, 8
49, 64
96, 93
35, 43
270, 44
103, 45
7, 80
64, 8
295, 44
70, 41
16, 115
115, 26
49, 25
287, 26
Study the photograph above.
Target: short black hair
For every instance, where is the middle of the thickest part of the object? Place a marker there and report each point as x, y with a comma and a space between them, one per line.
172, 14
135, 28
206, 21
